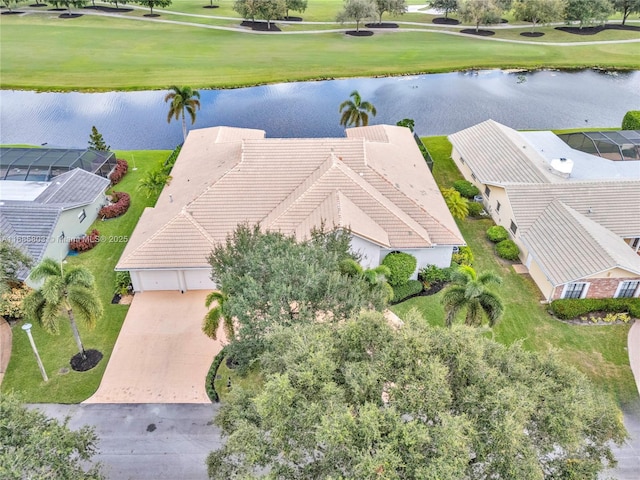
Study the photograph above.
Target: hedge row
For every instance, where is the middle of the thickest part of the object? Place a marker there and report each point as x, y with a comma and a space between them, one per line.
409, 289
120, 206
211, 375
85, 243
466, 188
120, 170
567, 309
497, 234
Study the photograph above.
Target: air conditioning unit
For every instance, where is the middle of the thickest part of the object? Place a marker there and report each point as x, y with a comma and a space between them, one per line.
478, 198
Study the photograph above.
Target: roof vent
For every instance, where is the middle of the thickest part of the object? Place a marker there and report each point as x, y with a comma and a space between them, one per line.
562, 167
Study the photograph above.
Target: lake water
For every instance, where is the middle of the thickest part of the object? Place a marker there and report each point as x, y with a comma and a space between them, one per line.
439, 104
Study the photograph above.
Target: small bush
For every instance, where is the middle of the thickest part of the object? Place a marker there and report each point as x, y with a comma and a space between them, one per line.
432, 274
171, 160
211, 375
120, 206
85, 243
122, 283
508, 250
120, 170
631, 120
569, 308
497, 234
11, 302
401, 266
409, 289
464, 256
466, 188
475, 209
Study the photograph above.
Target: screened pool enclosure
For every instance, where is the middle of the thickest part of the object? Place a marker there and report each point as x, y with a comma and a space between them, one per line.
43, 164
614, 145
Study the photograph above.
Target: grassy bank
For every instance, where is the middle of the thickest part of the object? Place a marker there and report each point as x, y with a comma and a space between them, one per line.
66, 385
93, 53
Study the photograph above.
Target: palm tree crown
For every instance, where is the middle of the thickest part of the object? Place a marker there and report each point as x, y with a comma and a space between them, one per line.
355, 112
181, 100
70, 291
217, 313
470, 290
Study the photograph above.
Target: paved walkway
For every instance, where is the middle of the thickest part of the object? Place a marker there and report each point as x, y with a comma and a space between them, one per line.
161, 355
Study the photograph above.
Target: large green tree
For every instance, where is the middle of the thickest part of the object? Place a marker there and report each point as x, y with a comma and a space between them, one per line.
539, 11
296, 6
272, 279
270, 9
393, 7
479, 12
154, 3
96, 141
361, 400
357, 11
12, 260
588, 12
626, 7
446, 6
470, 290
66, 291
246, 8
181, 100
68, 4
355, 111
33, 446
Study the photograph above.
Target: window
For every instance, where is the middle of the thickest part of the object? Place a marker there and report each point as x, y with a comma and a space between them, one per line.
473, 176
575, 290
513, 227
497, 206
82, 215
627, 289
461, 160
61, 238
635, 242
487, 191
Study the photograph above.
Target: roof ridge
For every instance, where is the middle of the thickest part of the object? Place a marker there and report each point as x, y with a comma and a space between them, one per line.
195, 223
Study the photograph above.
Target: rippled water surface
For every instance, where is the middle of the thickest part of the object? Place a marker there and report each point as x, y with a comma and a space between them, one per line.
439, 104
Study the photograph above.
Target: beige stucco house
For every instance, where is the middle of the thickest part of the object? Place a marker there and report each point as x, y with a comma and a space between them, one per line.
374, 182
574, 215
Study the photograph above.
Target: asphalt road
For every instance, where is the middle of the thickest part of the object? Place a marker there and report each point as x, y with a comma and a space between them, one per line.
171, 441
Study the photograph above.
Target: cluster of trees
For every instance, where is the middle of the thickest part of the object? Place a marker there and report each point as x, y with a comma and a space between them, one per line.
359, 10
486, 12
68, 4
268, 9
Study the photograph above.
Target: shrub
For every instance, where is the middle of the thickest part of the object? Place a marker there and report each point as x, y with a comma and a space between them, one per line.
475, 209
466, 188
566, 309
432, 274
211, 375
171, 160
401, 266
120, 206
119, 171
82, 244
497, 234
508, 250
11, 302
122, 283
631, 120
464, 256
408, 290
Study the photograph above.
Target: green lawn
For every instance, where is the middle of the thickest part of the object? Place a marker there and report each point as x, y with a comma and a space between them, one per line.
252, 381
90, 53
71, 387
599, 351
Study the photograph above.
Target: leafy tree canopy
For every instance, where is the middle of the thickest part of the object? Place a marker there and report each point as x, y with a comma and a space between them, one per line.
479, 12
626, 7
296, 6
12, 260
34, 446
394, 7
357, 10
539, 11
96, 141
359, 399
588, 12
446, 6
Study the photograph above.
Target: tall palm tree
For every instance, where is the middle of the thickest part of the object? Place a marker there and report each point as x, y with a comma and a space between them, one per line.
217, 313
182, 100
376, 277
71, 291
355, 112
470, 290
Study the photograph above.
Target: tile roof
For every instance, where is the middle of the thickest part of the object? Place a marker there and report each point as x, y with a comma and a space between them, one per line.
375, 181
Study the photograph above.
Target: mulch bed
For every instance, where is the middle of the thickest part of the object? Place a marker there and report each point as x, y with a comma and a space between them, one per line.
381, 25
433, 289
92, 359
292, 19
14, 12
38, 5
70, 15
581, 31
445, 21
260, 26
57, 9
361, 33
617, 26
151, 15
109, 9
532, 34
590, 317
211, 6
479, 33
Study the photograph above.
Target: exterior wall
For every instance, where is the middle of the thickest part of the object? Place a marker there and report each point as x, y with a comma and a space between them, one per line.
369, 251
540, 279
438, 256
598, 287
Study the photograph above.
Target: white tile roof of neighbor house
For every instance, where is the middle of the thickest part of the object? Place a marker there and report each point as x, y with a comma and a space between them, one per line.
374, 182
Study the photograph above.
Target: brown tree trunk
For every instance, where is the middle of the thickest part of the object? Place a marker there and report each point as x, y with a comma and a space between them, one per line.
76, 334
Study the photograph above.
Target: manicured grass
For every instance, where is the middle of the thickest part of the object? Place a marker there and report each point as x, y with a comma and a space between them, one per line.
44, 52
252, 381
598, 351
22, 373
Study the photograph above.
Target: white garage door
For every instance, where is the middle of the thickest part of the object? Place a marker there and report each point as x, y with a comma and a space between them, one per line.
198, 279
159, 280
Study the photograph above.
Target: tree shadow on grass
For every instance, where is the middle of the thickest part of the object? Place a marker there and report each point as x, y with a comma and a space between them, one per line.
361, 33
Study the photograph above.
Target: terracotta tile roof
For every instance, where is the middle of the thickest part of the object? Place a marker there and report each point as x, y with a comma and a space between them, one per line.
375, 181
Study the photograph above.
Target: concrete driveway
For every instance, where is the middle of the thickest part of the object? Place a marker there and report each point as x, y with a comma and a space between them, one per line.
161, 355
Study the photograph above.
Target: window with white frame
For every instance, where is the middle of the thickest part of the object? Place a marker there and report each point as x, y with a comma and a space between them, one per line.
82, 215
627, 289
513, 227
487, 191
575, 290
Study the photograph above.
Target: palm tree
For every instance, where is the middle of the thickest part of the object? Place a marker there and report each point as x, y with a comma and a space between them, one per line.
375, 277
470, 290
213, 317
457, 204
356, 112
181, 100
70, 291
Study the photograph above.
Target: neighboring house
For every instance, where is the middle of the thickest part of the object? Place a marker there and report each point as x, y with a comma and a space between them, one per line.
41, 217
375, 182
574, 215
